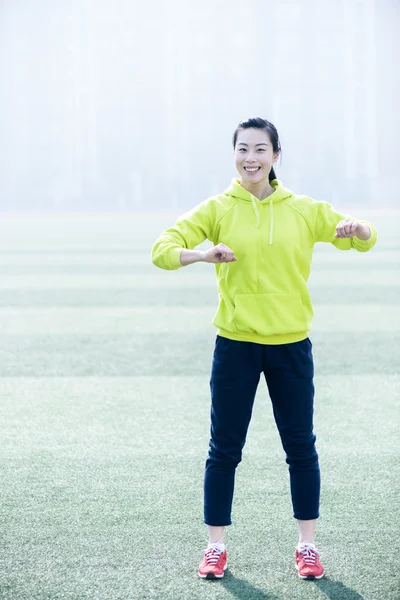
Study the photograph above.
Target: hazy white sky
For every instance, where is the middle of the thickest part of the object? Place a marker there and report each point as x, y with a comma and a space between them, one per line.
130, 105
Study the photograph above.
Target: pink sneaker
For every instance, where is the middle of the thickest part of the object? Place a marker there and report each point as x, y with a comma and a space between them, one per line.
308, 564
213, 564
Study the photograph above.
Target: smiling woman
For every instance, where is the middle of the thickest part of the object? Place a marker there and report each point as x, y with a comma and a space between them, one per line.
264, 237
257, 147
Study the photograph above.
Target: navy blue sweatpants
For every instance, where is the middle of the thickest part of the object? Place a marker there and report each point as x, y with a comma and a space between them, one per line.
289, 372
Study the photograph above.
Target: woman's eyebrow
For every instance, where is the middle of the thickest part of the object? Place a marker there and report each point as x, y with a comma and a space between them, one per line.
244, 144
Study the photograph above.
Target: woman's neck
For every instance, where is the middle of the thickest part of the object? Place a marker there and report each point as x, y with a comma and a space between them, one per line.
259, 190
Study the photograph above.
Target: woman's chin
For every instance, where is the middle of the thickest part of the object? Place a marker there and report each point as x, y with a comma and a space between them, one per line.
252, 180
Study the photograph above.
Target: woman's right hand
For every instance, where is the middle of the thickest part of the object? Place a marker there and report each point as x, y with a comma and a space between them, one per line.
219, 254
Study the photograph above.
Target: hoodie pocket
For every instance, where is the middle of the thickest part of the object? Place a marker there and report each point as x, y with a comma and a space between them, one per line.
269, 314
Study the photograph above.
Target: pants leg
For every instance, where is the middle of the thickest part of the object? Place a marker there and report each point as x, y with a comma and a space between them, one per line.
289, 372
235, 375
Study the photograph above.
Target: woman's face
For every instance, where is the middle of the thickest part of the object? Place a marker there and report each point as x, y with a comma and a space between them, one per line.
254, 155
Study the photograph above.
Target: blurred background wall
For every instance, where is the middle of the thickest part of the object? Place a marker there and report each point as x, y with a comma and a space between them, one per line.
131, 106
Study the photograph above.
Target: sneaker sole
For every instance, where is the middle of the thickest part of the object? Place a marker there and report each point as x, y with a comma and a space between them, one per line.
212, 575
309, 577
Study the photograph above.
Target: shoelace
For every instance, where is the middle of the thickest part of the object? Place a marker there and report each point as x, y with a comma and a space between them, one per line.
309, 555
212, 556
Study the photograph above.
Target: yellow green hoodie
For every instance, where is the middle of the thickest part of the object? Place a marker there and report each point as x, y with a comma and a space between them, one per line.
263, 296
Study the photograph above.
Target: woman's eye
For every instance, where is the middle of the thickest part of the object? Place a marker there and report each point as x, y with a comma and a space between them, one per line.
242, 149
261, 149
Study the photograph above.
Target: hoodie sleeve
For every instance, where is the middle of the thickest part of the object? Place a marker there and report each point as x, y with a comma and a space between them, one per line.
190, 230
326, 219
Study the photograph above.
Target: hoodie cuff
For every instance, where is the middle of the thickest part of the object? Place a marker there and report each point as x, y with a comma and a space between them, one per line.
174, 258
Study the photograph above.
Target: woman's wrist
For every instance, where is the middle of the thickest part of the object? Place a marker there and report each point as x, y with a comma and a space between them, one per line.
189, 257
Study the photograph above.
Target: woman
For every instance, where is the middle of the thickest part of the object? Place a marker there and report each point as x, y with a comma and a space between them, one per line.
263, 237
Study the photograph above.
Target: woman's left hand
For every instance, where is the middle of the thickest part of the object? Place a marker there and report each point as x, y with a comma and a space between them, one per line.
349, 229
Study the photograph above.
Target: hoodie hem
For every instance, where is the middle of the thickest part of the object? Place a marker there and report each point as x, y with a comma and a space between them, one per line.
289, 338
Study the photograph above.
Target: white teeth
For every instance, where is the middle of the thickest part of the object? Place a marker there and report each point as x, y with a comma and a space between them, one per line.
252, 169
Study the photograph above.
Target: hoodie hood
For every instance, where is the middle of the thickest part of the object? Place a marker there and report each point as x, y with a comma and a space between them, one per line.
279, 194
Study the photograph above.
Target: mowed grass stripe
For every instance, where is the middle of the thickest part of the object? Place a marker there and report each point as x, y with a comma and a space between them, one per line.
346, 293
22, 262
139, 246
180, 320
124, 412
169, 353
140, 250
182, 278
347, 269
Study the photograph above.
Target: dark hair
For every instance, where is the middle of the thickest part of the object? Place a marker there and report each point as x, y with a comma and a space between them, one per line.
268, 127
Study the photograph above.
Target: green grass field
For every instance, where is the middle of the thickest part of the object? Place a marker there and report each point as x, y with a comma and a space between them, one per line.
104, 425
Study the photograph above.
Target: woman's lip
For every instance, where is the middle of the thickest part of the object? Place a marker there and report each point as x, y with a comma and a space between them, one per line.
252, 168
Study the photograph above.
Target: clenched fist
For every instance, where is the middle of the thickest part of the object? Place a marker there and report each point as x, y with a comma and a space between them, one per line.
219, 254
349, 229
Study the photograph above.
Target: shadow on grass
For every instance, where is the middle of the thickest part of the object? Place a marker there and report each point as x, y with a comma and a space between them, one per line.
243, 590
335, 590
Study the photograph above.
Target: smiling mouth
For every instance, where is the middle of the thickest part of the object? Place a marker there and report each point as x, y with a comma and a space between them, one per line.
252, 169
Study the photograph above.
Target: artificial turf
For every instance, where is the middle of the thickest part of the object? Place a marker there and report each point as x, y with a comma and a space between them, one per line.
105, 423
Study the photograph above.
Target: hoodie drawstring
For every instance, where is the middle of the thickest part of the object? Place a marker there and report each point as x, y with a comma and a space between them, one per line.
271, 221
254, 203
271, 217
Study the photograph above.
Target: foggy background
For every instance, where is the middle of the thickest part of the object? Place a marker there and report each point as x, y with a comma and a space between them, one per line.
131, 106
